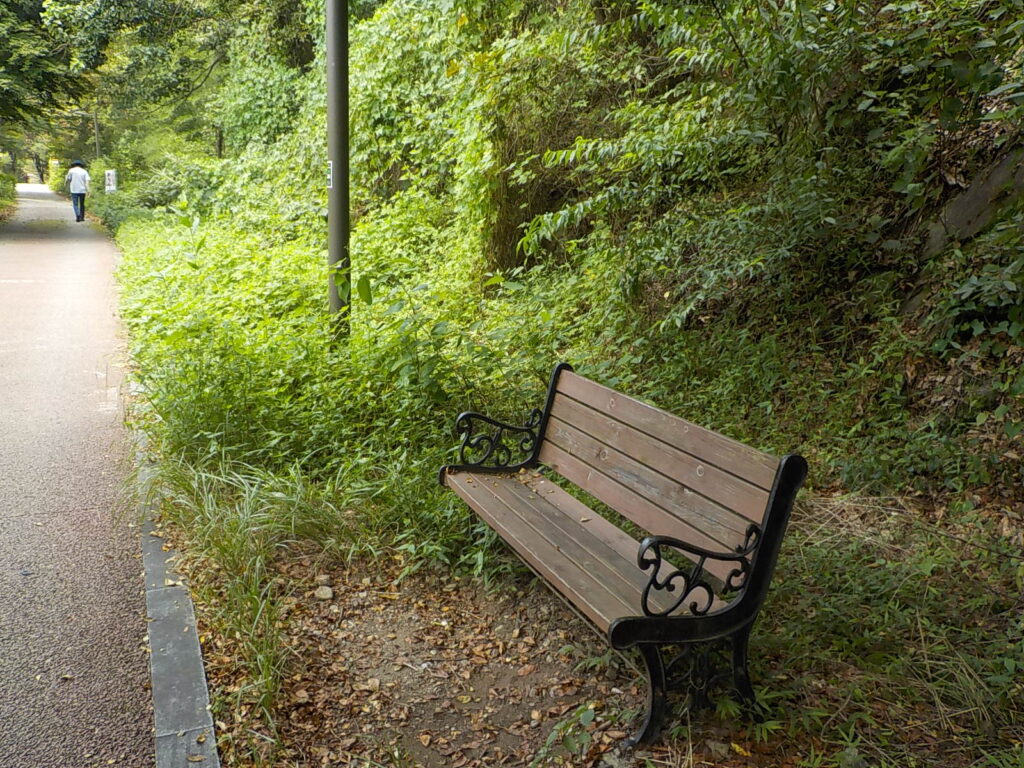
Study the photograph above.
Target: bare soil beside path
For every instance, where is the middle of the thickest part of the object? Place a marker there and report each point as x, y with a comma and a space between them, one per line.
73, 669
429, 671
433, 671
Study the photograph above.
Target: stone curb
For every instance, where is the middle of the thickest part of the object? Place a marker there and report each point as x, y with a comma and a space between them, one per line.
185, 735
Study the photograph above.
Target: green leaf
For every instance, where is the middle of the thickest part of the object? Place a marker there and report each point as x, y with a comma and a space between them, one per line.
1005, 88
363, 287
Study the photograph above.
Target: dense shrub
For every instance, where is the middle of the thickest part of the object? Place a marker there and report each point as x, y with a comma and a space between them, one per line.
716, 212
7, 187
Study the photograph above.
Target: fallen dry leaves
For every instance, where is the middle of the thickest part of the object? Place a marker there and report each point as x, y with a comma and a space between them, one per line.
430, 671
437, 672
427, 671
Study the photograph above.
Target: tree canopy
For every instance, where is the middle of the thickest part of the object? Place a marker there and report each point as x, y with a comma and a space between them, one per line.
35, 67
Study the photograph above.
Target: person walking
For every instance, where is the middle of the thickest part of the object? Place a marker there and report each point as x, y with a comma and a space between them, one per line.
77, 182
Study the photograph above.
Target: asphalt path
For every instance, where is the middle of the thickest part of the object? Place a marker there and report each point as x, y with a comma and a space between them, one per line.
73, 670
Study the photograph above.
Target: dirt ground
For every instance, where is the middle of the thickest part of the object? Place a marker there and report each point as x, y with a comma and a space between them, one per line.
427, 672
431, 671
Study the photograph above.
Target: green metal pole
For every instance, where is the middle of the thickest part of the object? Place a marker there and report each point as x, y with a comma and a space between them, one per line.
339, 285
96, 127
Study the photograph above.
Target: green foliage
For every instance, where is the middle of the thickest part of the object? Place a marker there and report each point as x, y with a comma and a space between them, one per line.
151, 51
988, 306
7, 194
204, 315
35, 74
759, 135
258, 97
571, 736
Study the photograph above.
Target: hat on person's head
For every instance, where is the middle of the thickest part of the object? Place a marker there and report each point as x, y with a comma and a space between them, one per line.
78, 163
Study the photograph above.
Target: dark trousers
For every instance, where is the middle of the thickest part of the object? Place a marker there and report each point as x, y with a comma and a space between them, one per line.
78, 203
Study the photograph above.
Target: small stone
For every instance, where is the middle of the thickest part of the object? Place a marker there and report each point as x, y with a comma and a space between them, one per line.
323, 580
615, 760
323, 593
851, 758
717, 749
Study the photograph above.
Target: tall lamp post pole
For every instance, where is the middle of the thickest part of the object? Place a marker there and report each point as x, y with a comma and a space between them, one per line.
96, 126
339, 281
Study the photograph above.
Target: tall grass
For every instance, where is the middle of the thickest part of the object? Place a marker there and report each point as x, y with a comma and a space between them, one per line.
895, 635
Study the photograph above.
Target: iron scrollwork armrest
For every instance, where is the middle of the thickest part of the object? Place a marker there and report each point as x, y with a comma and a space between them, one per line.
692, 581
496, 446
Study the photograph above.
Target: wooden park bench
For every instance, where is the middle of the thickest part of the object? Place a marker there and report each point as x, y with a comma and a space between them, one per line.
715, 511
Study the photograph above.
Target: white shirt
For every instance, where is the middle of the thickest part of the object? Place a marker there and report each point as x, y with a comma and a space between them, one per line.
78, 179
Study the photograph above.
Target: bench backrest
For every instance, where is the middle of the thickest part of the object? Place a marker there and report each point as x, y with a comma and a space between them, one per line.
668, 476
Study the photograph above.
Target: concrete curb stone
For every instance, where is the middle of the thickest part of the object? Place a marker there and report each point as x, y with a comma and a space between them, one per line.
185, 735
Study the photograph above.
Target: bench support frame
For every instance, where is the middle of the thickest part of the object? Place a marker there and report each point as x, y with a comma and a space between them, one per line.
734, 622
657, 696
702, 676
496, 447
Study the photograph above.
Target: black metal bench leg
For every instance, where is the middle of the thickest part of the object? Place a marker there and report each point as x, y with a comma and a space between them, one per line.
656, 696
740, 675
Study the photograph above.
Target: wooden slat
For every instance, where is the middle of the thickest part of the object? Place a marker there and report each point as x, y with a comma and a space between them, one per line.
729, 455
643, 512
720, 524
594, 524
725, 489
601, 556
578, 586
612, 563
601, 529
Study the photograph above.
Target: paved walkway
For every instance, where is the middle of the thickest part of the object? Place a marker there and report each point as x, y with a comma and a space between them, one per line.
73, 675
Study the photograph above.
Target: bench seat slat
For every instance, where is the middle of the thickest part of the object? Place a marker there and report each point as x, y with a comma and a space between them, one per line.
727, 454
722, 525
734, 502
597, 526
610, 557
644, 513
582, 587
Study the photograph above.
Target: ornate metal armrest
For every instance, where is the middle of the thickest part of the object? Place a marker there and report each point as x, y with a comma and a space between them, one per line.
692, 581
489, 445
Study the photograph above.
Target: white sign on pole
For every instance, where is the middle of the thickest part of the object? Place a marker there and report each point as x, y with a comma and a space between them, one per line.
330, 174
110, 179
